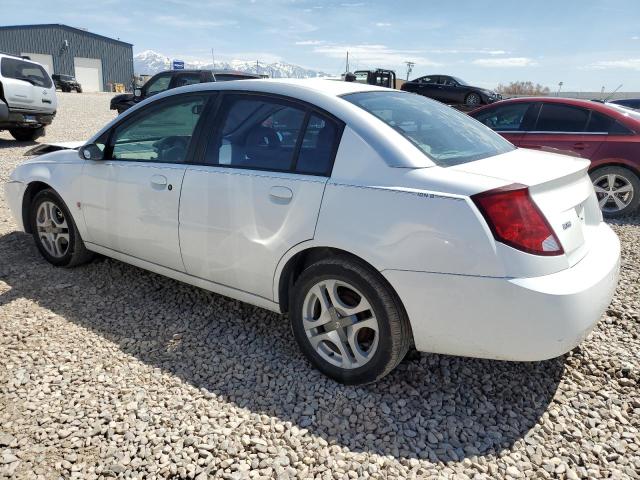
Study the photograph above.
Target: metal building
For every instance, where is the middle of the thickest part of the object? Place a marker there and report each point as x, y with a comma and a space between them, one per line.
96, 61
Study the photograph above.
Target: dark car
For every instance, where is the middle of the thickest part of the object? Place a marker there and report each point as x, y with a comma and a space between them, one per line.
628, 102
66, 83
450, 90
608, 135
172, 79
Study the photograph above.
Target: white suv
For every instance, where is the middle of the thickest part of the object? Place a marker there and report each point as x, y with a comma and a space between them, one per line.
27, 97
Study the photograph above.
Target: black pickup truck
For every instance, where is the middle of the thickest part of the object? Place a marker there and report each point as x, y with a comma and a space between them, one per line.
66, 83
172, 79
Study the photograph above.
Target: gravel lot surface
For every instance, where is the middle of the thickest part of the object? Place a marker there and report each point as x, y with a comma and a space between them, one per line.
110, 371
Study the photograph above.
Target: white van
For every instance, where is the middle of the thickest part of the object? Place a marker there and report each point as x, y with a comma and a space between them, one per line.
27, 97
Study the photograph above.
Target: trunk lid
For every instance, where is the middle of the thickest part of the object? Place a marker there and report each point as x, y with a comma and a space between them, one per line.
559, 185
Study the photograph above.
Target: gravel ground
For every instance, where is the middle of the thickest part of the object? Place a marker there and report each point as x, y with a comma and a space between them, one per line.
111, 371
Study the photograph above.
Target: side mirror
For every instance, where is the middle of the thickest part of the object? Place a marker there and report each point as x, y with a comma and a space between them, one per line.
137, 92
91, 152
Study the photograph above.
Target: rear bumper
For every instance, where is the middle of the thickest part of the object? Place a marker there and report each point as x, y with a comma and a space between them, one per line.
22, 118
521, 319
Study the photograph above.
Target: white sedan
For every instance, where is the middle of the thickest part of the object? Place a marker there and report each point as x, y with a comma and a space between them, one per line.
378, 219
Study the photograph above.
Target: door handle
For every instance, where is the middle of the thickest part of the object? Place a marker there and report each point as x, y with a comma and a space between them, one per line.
159, 182
281, 195
579, 146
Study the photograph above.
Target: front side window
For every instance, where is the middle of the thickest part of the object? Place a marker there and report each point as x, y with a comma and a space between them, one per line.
443, 134
159, 133
256, 132
561, 118
26, 71
506, 118
159, 84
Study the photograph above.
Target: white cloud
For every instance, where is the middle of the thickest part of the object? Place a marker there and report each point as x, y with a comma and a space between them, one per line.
635, 37
627, 64
181, 22
504, 62
371, 56
310, 42
359, 4
383, 24
497, 52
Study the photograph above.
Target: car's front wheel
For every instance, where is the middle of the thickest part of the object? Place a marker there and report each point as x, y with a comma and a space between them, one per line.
473, 99
55, 232
348, 321
617, 190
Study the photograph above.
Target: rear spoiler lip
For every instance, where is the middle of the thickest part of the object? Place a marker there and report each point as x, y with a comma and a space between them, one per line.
43, 148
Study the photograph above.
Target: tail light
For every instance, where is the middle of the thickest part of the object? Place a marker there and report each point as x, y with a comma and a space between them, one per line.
515, 220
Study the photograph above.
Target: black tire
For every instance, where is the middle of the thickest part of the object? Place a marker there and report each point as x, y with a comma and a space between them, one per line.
76, 253
394, 331
26, 134
473, 99
78, 90
624, 176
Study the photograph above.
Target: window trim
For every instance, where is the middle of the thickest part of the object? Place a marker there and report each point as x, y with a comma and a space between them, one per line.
210, 97
213, 120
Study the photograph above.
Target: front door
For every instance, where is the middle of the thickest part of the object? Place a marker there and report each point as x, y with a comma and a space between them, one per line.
257, 192
131, 199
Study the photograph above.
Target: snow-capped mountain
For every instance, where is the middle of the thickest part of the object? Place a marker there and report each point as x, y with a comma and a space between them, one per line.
150, 62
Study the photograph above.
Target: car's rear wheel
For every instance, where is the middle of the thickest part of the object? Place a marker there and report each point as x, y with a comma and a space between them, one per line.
55, 232
348, 321
473, 99
617, 190
26, 134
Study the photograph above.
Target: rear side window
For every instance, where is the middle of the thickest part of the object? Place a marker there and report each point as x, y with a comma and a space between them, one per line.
443, 134
599, 123
187, 79
318, 146
258, 133
506, 118
561, 118
26, 71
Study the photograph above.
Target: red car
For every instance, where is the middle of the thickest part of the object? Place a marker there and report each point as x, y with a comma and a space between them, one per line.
606, 134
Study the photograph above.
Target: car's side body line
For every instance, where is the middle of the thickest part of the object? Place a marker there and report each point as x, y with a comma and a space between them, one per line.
186, 278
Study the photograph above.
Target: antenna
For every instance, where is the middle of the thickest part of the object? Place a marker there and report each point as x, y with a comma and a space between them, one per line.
608, 97
410, 66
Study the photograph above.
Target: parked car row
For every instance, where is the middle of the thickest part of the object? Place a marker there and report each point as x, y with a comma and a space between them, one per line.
378, 219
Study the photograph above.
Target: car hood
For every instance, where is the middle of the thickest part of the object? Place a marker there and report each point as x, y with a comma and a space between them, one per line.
123, 97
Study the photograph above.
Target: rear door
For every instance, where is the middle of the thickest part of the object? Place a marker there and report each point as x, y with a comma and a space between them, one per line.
564, 129
256, 191
509, 119
27, 85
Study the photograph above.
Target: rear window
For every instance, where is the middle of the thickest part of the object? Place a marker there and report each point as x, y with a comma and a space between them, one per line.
27, 71
443, 134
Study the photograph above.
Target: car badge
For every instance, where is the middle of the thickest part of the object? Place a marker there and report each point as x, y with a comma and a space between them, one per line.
566, 225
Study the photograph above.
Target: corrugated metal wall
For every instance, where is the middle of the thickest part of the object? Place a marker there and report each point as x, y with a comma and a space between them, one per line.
117, 57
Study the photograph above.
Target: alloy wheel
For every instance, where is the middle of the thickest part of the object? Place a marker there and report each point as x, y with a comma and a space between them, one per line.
340, 324
614, 192
53, 230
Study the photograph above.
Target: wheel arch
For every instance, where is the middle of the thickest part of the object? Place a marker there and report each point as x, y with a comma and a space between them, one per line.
31, 191
632, 167
295, 262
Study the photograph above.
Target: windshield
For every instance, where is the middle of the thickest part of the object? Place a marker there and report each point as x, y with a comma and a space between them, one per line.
461, 82
445, 135
27, 71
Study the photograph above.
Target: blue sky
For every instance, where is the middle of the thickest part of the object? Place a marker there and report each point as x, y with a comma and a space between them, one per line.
585, 44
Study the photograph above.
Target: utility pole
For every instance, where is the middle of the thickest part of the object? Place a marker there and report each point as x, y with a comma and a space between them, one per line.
213, 59
410, 66
347, 66
257, 67
559, 88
